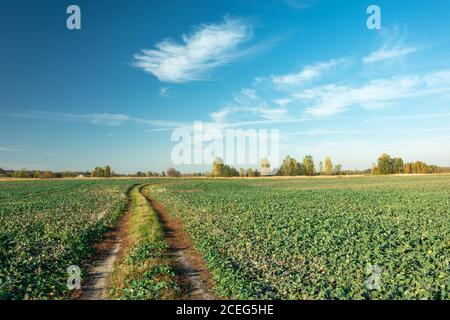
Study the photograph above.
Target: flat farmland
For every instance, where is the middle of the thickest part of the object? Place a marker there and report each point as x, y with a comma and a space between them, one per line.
263, 238
342, 238
46, 226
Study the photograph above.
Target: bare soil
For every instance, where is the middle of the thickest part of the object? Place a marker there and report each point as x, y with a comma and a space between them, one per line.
106, 252
195, 279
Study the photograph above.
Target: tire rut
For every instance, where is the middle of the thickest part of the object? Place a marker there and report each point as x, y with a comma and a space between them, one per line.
194, 278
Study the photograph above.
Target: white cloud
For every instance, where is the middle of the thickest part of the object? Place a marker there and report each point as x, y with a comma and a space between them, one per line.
247, 102
109, 119
333, 99
308, 73
391, 47
386, 54
210, 46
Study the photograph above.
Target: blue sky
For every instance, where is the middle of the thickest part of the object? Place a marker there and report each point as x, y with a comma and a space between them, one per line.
114, 91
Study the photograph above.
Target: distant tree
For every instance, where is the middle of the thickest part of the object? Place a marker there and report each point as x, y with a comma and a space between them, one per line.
300, 169
288, 167
98, 172
225, 172
420, 167
399, 166
48, 175
37, 174
375, 169
409, 168
107, 171
21, 174
321, 168
67, 174
265, 166
234, 172
163, 174
242, 172
217, 169
250, 172
171, 172
386, 164
308, 162
338, 169
257, 173
328, 166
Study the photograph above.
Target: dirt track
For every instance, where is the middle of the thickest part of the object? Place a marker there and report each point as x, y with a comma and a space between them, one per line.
194, 278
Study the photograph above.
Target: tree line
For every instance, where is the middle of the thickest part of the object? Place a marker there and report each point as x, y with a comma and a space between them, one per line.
388, 165
385, 164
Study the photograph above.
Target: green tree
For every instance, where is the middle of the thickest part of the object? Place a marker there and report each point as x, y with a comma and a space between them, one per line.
21, 174
300, 169
399, 166
47, 175
171, 172
386, 164
250, 172
288, 167
308, 162
328, 166
217, 167
242, 172
107, 171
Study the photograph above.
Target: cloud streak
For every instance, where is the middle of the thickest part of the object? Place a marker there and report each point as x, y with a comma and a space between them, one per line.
387, 54
333, 99
192, 59
308, 73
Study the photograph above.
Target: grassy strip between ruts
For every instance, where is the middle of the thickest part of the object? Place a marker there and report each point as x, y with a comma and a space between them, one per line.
143, 270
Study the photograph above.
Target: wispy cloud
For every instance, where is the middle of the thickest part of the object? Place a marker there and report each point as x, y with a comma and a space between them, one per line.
108, 119
334, 99
392, 46
209, 46
386, 54
248, 102
334, 132
308, 73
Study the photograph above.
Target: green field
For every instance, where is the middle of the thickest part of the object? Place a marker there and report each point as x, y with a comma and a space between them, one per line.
319, 238
46, 226
314, 238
